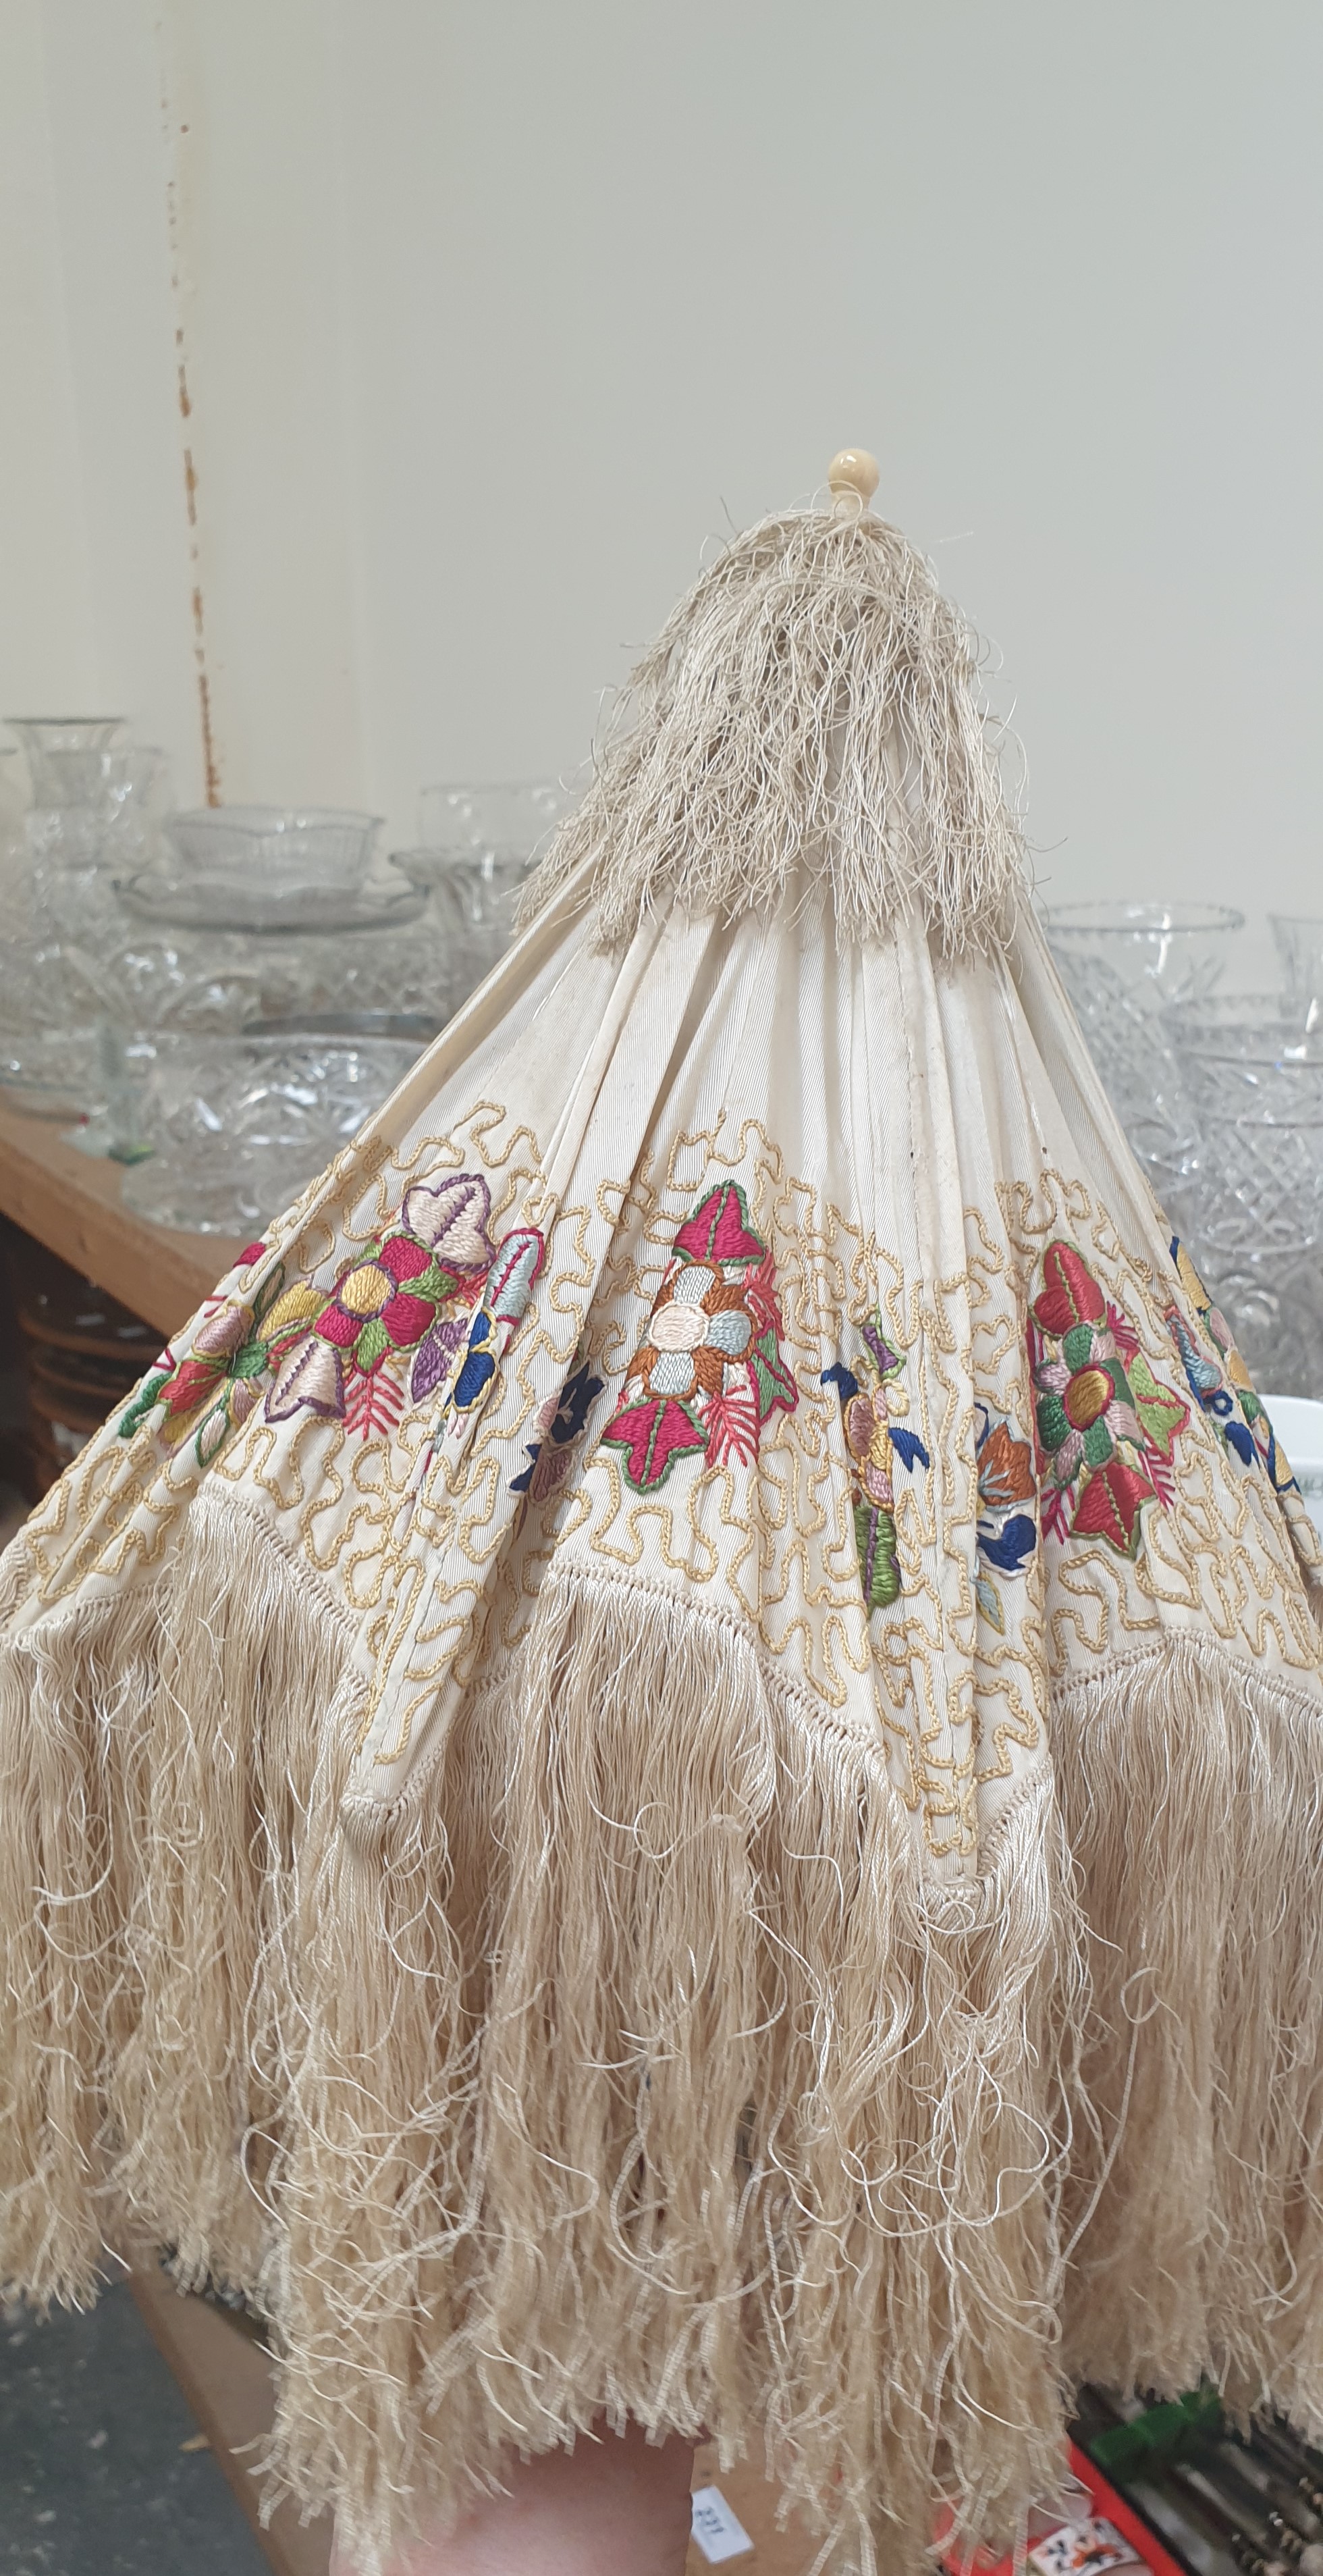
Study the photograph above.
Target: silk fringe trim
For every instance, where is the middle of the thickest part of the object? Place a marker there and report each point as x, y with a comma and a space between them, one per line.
636, 2067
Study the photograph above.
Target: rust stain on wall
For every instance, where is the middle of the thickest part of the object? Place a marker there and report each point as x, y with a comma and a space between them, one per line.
175, 129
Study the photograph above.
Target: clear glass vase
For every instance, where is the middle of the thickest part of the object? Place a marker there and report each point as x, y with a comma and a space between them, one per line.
52, 1000
1254, 1074
78, 853
65, 755
517, 820
1124, 966
1299, 938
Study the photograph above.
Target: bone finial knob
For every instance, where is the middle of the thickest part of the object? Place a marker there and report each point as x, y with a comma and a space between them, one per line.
854, 470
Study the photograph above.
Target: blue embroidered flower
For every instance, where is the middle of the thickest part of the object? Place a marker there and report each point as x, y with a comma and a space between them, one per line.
558, 1426
478, 1366
1006, 1538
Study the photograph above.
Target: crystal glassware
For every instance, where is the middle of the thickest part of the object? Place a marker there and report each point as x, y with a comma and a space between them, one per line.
154, 985
1255, 1078
516, 820
261, 907
238, 1126
258, 868
1124, 965
135, 790
51, 1001
65, 755
74, 851
474, 896
1299, 938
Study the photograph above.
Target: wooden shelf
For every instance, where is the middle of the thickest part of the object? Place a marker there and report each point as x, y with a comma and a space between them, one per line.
71, 1203
226, 2378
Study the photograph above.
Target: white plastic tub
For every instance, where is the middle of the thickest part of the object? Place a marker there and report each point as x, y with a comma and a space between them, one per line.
1298, 1423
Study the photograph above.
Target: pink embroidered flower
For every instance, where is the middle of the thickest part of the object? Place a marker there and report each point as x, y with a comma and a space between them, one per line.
709, 1371
1105, 1425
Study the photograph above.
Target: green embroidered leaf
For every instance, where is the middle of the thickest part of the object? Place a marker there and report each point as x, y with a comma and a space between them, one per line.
989, 1602
438, 1283
773, 1377
1098, 1443
1162, 1414
875, 1538
251, 1360
1077, 1346
372, 1344
1121, 1388
268, 1293
1053, 1421
212, 1432
144, 1402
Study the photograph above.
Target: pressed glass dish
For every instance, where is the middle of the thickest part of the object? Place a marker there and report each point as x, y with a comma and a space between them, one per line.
260, 908
318, 845
238, 1126
266, 867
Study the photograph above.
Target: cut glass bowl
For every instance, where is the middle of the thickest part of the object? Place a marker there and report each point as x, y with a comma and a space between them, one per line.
238, 1126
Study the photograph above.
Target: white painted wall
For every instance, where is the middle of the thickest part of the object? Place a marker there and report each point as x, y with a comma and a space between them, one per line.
493, 311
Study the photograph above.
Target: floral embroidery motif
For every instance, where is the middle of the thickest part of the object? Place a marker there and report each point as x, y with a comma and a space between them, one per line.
557, 1426
431, 1291
506, 1290
709, 1372
1220, 1383
1007, 1537
214, 1386
1106, 1428
873, 1398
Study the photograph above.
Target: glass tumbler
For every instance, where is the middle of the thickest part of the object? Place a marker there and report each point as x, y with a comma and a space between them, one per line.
470, 920
50, 1005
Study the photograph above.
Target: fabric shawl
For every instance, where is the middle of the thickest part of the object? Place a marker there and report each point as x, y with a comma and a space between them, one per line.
670, 1765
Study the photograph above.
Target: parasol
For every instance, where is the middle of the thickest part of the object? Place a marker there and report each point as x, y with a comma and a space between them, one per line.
670, 1763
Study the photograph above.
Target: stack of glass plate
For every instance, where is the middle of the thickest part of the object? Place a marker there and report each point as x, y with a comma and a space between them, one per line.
261, 870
